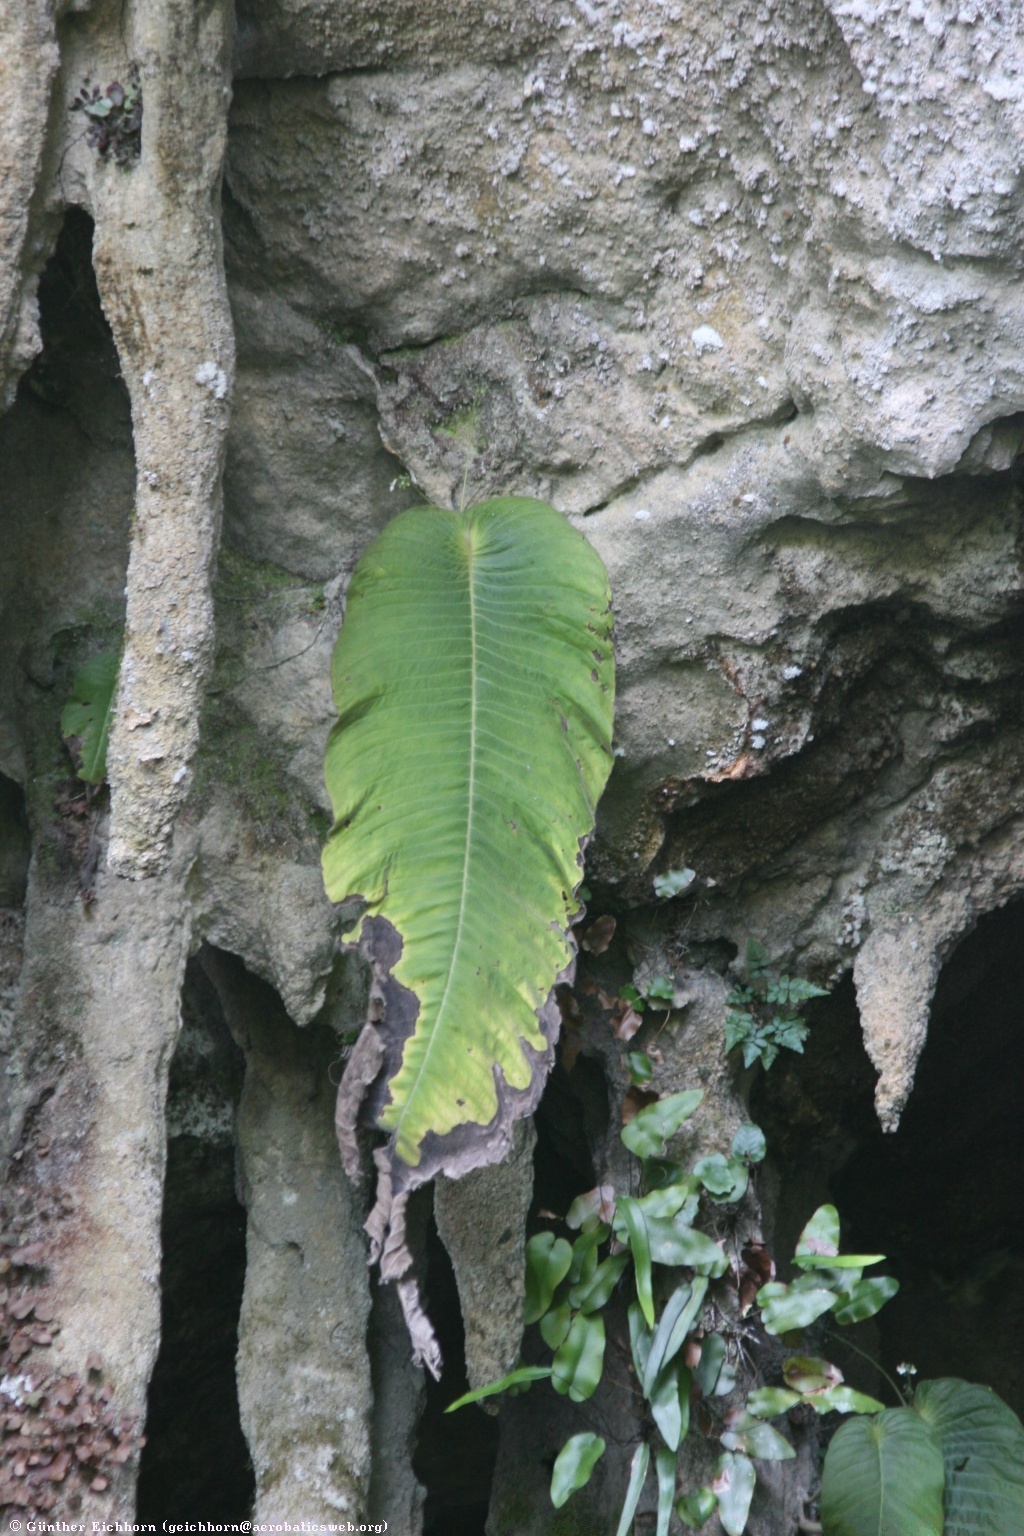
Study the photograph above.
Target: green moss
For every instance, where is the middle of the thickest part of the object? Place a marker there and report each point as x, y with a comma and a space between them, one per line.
235, 755
348, 333
466, 425
240, 579
512, 1517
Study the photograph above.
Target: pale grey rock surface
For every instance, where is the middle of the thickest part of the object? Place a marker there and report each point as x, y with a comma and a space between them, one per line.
303, 1371
481, 1219
739, 291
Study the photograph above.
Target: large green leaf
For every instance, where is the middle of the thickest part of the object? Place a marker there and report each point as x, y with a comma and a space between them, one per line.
89, 711
883, 1476
474, 680
982, 1444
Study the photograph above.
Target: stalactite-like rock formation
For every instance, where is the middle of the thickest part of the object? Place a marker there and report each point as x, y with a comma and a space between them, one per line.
740, 293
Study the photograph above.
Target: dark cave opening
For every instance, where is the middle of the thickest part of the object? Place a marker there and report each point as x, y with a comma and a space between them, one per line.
195, 1464
15, 843
571, 1120
455, 1458
71, 318
940, 1195
458, 1485
937, 1197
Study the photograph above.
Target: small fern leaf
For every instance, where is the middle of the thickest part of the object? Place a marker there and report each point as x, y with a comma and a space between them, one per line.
89, 711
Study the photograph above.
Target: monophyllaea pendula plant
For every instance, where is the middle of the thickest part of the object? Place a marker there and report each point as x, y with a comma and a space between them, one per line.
474, 683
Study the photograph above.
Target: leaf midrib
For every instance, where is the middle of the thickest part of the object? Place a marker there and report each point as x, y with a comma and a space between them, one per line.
470, 574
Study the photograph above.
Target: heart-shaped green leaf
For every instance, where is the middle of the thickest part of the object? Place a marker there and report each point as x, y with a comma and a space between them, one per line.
89, 711
647, 1133
749, 1143
554, 1325
547, 1263
724, 1178
982, 1442
695, 1509
473, 679
820, 1237
679, 1199
809, 1373
674, 1243
579, 1361
734, 1485
883, 1474
573, 1466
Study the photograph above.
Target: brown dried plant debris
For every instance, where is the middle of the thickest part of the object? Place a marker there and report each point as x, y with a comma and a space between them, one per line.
60, 1435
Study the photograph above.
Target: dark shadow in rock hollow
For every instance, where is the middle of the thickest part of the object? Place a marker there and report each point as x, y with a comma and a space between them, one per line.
195, 1465
455, 1455
939, 1197
15, 844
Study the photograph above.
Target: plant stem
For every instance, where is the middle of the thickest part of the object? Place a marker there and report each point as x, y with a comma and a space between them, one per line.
900, 1396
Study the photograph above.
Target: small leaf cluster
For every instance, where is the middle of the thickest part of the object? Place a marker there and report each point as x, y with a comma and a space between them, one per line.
764, 1016
674, 882
830, 1282
676, 1362
60, 1434
654, 1235
115, 119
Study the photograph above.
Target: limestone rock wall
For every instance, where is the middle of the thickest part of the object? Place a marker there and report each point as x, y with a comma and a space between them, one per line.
739, 291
